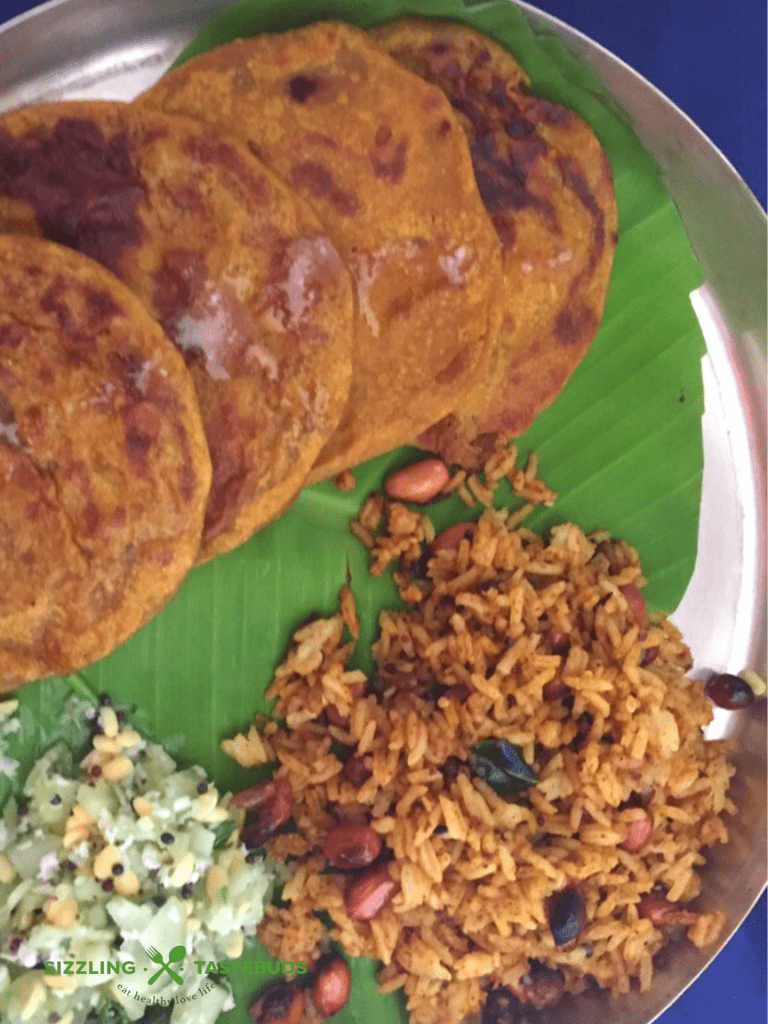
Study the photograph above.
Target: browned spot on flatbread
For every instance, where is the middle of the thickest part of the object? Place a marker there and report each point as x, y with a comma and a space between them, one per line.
449, 373
186, 196
571, 326
502, 182
52, 303
81, 322
83, 188
206, 149
231, 468
505, 229
554, 113
12, 335
177, 283
321, 139
575, 180
451, 70
388, 157
91, 520
243, 80
301, 87
187, 481
140, 428
6, 411
100, 308
319, 182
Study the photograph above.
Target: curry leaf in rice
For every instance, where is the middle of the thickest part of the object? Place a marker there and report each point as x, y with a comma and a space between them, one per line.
502, 766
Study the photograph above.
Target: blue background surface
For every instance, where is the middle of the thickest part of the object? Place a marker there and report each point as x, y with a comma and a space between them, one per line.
709, 57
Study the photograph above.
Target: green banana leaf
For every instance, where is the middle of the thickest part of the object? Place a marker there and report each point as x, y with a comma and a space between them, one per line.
621, 445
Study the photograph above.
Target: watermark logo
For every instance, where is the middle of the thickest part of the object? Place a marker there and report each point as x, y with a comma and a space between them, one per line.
175, 956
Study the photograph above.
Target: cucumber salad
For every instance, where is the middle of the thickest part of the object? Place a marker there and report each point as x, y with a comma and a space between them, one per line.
119, 873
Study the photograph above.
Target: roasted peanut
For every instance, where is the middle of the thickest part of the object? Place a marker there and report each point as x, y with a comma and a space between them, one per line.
366, 894
542, 986
351, 846
636, 603
554, 689
458, 692
273, 800
556, 641
661, 912
330, 990
638, 834
647, 656
356, 771
729, 692
335, 717
273, 803
452, 536
282, 1003
420, 482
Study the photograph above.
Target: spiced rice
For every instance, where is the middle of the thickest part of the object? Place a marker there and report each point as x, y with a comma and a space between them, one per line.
542, 643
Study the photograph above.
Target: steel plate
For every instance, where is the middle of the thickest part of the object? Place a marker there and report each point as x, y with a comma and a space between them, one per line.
116, 48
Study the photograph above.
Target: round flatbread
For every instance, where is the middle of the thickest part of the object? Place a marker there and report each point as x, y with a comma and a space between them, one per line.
548, 187
104, 466
382, 159
232, 262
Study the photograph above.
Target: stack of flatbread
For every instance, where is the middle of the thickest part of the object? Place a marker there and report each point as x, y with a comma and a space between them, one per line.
293, 253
